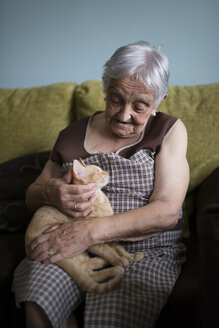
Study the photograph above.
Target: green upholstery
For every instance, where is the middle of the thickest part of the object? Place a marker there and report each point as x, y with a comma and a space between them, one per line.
30, 119
89, 98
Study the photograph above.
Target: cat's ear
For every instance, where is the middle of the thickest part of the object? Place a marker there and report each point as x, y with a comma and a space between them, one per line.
79, 170
81, 161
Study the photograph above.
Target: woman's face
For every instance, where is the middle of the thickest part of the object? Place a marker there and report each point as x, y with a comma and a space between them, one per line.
129, 105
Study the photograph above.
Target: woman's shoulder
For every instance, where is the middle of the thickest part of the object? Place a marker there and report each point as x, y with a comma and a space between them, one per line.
164, 117
175, 127
157, 129
177, 136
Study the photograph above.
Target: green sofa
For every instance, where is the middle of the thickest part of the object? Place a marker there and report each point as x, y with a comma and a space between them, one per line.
30, 120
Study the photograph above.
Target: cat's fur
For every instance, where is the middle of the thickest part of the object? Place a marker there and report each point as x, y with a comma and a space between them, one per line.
90, 273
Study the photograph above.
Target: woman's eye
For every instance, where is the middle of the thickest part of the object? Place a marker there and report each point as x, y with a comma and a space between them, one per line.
141, 107
116, 102
138, 109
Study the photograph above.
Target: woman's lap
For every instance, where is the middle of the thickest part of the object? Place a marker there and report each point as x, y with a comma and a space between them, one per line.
138, 300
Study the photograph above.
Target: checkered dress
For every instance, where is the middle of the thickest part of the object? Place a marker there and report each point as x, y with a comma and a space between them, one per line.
147, 284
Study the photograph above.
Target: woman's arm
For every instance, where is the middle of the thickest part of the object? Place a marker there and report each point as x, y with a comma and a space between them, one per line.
50, 188
162, 211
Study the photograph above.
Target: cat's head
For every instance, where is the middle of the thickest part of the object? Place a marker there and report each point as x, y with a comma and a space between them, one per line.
83, 174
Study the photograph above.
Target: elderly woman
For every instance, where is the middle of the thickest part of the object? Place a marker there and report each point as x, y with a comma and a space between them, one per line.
147, 151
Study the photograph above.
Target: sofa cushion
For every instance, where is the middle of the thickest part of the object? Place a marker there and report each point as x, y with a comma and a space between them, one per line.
15, 177
17, 174
89, 98
30, 119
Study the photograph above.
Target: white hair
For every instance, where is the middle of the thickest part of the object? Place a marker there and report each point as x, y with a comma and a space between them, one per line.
141, 62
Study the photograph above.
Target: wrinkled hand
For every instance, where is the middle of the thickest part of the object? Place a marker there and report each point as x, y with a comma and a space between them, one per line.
73, 200
61, 241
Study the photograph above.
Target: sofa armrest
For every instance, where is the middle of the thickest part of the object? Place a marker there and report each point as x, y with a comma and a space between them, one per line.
207, 202
207, 193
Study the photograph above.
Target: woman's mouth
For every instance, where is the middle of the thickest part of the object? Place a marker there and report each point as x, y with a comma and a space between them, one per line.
122, 123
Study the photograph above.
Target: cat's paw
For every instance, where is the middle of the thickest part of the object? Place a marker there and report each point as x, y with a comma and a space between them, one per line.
138, 256
131, 257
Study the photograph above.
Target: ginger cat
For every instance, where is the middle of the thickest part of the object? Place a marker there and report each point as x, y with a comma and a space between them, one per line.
92, 274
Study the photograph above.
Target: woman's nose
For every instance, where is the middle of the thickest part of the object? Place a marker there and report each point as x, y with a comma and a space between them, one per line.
125, 113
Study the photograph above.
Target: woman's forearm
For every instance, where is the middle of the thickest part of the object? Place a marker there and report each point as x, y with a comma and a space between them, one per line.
36, 197
137, 224
38, 192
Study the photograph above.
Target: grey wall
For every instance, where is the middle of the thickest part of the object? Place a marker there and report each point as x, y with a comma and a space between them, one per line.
49, 41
